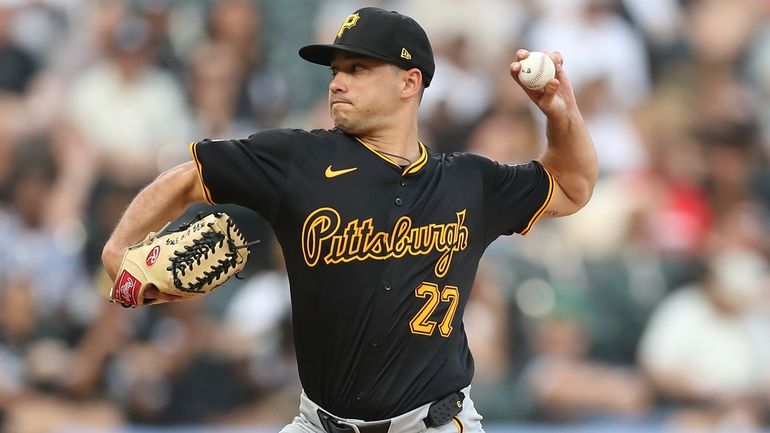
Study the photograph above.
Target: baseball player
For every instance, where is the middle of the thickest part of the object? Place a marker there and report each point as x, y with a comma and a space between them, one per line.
381, 237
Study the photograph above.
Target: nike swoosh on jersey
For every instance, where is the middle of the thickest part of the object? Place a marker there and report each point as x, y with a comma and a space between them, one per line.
334, 173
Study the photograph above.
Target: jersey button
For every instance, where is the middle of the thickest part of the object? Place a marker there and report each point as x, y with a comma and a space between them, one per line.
360, 396
386, 285
375, 342
403, 182
398, 201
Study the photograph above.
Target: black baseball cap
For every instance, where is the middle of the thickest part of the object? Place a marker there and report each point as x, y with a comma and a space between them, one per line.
385, 35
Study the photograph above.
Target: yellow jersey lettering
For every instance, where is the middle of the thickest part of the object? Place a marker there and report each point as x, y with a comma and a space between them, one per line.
319, 226
322, 235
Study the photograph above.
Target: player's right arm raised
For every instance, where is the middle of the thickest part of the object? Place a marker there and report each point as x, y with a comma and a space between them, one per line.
161, 201
570, 156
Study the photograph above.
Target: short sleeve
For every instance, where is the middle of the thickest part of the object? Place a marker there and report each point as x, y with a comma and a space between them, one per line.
249, 172
515, 196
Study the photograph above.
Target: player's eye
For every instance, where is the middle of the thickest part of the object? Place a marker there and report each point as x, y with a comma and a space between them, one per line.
357, 68
333, 71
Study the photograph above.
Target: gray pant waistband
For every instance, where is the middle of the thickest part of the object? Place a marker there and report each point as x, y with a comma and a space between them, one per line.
411, 421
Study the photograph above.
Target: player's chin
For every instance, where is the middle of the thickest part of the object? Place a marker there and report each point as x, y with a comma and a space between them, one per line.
345, 124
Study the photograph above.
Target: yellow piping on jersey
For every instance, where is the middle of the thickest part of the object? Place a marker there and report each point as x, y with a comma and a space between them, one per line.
458, 423
194, 152
412, 168
420, 163
536, 216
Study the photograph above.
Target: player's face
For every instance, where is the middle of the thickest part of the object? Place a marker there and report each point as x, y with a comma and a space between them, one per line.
363, 93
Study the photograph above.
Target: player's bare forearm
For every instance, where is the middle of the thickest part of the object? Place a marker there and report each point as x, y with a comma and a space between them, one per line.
571, 159
161, 201
570, 156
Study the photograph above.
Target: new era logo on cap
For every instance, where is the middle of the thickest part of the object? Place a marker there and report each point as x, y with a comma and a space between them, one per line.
385, 35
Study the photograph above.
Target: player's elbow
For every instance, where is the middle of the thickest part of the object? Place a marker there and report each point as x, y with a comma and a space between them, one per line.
571, 197
579, 187
581, 193
182, 183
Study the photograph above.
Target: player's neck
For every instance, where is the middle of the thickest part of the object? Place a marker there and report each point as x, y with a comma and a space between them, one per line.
399, 142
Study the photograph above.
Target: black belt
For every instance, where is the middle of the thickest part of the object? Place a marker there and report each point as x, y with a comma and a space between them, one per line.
440, 412
334, 425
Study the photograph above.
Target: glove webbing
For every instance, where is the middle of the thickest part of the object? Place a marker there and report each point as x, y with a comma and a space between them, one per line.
199, 250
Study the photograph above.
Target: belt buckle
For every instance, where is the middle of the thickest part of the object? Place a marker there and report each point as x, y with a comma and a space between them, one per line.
333, 425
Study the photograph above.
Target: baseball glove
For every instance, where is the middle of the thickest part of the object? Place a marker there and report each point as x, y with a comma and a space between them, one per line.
188, 263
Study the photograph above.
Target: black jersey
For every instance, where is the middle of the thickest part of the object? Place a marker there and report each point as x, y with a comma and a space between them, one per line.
381, 258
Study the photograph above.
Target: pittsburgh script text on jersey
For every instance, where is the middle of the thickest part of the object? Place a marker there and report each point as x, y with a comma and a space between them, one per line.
359, 241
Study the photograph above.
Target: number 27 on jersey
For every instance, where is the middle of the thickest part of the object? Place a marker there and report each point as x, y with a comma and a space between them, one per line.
421, 323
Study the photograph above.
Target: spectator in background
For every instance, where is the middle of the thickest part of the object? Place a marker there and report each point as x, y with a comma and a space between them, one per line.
262, 93
133, 114
11, 129
488, 325
705, 346
602, 43
672, 208
735, 165
157, 15
507, 134
92, 25
40, 251
258, 319
561, 383
18, 66
726, 121
216, 79
46, 297
661, 22
166, 373
459, 95
488, 32
758, 72
254, 314
612, 73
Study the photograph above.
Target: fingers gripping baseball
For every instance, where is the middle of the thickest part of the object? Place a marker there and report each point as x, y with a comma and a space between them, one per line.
550, 95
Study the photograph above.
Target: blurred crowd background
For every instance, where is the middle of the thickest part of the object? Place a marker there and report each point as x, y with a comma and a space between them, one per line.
649, 309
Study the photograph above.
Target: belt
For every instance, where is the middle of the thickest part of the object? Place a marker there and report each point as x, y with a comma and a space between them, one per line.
440, 412
336, 425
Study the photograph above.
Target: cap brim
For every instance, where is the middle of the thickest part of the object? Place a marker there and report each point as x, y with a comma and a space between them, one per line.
322, 54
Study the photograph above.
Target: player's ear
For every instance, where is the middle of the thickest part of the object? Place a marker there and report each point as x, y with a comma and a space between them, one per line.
412, 83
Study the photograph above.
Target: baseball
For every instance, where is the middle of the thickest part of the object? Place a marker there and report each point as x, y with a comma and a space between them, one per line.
536, 70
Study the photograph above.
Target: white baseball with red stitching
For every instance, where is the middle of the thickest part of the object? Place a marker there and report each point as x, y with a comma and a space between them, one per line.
536, 70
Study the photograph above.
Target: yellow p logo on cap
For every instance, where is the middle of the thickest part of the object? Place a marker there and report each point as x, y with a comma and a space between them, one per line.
350, 21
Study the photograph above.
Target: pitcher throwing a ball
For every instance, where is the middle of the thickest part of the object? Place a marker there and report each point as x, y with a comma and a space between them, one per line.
381, 237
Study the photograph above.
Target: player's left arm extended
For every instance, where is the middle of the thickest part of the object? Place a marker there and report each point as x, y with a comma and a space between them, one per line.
570, 156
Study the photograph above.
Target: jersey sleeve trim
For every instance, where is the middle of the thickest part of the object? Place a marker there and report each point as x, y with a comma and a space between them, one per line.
204, 189
539, 213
